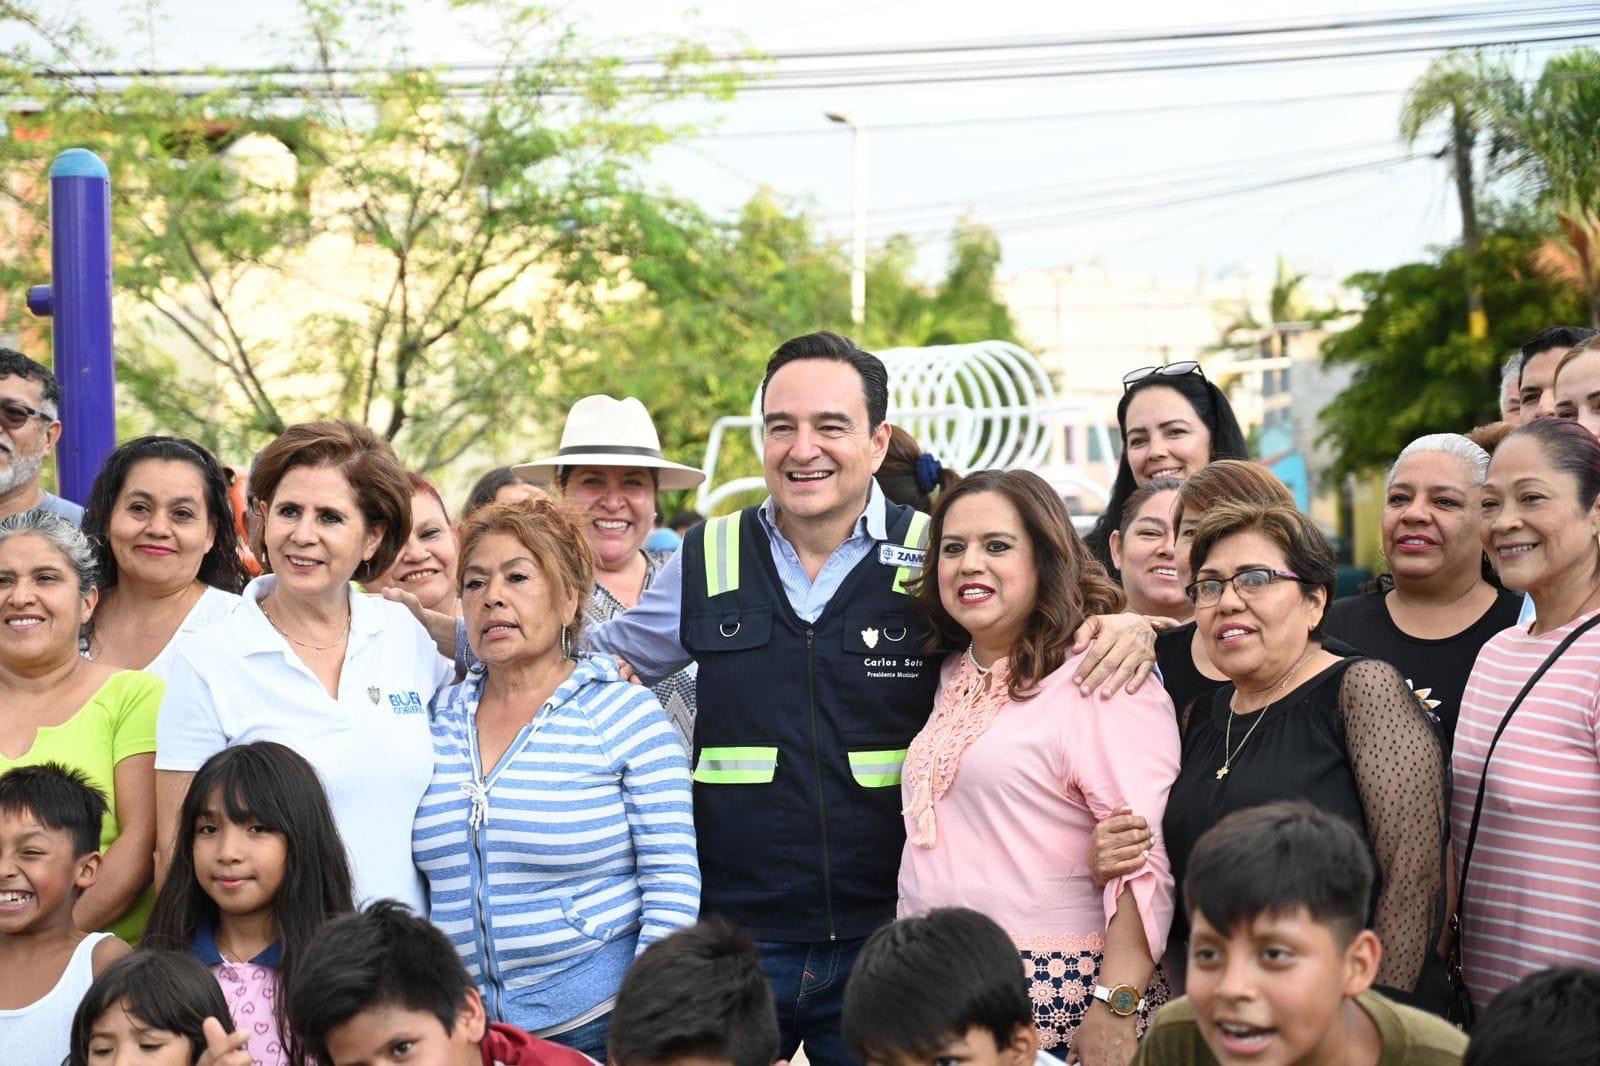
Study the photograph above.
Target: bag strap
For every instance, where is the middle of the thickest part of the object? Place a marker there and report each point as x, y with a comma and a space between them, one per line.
1483, 781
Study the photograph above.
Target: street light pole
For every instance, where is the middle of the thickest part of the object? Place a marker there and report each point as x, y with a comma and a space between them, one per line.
858, 258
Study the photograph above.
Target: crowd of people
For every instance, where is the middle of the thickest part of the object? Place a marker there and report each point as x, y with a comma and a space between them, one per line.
893, 767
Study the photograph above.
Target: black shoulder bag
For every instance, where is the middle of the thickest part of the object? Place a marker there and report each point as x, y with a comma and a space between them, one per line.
1461, 1011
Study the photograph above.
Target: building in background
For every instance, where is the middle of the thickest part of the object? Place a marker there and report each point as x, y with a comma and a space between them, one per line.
1090, 325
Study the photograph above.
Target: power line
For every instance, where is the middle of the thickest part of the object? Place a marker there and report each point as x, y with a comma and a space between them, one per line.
1059, 116
1223, 31
1164, 67
1189, 177
1056, 219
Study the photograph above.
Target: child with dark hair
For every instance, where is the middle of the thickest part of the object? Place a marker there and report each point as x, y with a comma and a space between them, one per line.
152, 1007
258, 868
1552, 1018
1280, 964
696, 998
945, 986
49, 854
386, 986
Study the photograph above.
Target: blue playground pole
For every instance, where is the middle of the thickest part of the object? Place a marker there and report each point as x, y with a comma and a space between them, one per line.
79, 299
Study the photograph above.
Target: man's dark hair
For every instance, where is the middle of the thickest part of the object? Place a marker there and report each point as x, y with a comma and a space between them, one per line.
1552, 337
59, 798
697, 992
384, 956
922, 982
683, 521
1552, 1018
13, 364
1276, 859
831, 346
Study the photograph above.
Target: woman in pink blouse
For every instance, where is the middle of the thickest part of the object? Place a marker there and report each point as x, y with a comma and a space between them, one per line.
1004, 785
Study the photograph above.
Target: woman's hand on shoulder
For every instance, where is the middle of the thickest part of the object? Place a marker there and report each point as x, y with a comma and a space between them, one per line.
1121, 651
440, 626
1118, 845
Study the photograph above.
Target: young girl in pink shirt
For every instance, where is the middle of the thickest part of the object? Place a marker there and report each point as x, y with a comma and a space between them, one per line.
258, 869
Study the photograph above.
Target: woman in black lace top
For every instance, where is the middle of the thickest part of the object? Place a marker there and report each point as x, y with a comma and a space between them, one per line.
1298, 722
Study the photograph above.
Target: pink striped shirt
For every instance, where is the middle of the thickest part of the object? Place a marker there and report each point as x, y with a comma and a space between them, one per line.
1533, 895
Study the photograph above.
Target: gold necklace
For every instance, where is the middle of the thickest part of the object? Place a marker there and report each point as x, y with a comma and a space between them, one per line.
1228, 752
305, 644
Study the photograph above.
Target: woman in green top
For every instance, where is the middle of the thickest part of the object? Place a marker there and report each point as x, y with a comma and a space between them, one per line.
56, 706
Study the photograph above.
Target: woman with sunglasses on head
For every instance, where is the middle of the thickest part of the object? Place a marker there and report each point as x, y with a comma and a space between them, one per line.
166, 551
1173, 422
1295, 721
1438, 605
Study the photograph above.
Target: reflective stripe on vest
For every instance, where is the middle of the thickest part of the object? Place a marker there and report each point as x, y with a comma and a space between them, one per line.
877, 769
722, 555
737, 766
916, 537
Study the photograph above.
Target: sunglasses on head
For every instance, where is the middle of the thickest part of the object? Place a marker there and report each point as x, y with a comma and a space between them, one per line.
15, 415
1170, 370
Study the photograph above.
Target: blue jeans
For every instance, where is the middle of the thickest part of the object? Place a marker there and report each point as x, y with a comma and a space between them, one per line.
589, 1038
808, 983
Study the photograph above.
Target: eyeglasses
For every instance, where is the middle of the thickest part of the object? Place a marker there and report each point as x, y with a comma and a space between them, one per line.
15, 415
1248, 583
1170, 370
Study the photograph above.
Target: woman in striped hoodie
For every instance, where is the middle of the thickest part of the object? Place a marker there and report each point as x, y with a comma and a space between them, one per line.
556, 836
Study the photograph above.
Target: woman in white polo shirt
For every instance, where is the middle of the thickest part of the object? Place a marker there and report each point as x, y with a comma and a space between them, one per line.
342, 678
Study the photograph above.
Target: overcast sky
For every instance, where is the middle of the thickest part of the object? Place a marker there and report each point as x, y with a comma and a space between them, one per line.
1120, 168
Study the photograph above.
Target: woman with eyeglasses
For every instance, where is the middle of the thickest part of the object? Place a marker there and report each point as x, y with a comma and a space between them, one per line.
1173, 422
1295, 721
166, 551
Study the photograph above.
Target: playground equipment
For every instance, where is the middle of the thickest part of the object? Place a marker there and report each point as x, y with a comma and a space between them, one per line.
78, 299
975, 406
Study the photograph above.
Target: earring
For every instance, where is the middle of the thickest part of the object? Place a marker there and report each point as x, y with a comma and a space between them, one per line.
566, 642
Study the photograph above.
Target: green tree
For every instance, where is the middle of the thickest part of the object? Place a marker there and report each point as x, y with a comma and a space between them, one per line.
351, 236
1286, 305
1418, 370
704, 303
1549, 134
1464, 92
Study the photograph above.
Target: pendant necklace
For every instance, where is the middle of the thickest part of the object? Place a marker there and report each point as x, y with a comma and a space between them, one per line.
1229, 753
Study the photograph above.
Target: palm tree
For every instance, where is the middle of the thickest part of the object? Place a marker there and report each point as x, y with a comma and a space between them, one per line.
1574, 258
1555, 137
1465, 91
1285, 304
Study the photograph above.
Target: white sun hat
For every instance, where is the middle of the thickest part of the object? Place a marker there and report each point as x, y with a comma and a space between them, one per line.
603, 431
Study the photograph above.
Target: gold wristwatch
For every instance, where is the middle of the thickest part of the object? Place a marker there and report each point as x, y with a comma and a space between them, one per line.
1123, 1000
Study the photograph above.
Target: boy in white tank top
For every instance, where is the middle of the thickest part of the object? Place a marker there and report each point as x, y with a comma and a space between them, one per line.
49, 854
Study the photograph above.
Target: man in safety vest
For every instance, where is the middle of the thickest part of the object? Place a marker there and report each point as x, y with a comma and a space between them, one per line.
812, 682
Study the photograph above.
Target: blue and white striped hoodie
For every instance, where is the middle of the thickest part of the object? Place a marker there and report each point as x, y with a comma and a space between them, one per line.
551, 871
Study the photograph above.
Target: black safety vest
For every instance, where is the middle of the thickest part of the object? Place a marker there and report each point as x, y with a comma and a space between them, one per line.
801, 730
